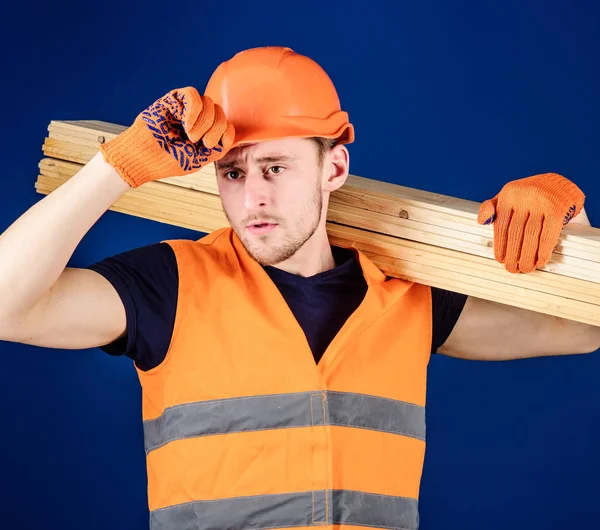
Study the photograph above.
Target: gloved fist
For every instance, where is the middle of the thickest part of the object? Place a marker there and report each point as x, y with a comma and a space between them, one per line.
178, 134
528, 216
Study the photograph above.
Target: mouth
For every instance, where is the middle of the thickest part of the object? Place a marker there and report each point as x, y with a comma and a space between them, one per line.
260, 229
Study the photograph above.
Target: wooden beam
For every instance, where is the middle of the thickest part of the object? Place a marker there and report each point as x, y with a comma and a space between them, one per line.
412, 234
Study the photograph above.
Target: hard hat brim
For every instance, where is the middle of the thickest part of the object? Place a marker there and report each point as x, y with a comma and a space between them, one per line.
336, 126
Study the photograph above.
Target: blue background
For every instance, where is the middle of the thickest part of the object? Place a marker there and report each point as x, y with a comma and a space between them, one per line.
452, 97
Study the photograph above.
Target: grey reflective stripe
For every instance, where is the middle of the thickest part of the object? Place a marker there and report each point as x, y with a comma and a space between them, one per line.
288, 510
375, 413
227, 416
278, 411
380, 511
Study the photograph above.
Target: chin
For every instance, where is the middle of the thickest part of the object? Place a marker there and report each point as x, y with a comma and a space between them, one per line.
267, 250
273, 255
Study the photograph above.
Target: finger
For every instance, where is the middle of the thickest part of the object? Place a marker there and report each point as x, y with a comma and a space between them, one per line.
487, 212
180, 102
204, 120
224, 145
514, 243
531, 243
549, 239
228, 137
217, 129
501, 225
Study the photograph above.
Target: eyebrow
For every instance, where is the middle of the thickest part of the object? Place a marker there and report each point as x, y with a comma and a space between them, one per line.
267, 159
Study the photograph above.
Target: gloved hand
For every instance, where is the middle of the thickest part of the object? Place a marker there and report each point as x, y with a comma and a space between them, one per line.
178, 134
528, 216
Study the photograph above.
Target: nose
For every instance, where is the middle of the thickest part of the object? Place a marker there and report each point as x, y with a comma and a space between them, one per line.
256, 191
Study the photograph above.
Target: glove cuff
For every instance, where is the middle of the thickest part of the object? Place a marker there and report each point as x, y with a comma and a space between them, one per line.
566, 191
136, 155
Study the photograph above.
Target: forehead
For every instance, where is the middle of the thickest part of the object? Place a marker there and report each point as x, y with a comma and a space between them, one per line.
290, 148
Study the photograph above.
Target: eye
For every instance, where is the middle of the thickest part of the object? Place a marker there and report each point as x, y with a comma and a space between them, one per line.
276, 170
232, 175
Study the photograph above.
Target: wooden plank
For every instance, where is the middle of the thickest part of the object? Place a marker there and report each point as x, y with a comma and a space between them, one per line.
382, 224
409, 229
456, 280
64, 151
374, 192
470, 280
378, 211
538, 285
425, 276
576, 240
153, 210
414, 234
87, 128
419, 213
185, 199
64, 136
429, 206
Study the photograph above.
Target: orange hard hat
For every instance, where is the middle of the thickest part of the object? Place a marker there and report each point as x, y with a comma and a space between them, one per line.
273, 92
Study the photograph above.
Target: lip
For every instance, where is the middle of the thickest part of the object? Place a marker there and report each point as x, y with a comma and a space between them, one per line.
265, 228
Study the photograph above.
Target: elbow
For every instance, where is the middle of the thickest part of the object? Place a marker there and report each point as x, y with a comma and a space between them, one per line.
8, 329
582, 338
13, 327
594, 346
594, 339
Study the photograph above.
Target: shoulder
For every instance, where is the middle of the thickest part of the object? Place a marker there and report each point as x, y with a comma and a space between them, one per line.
213, 244
155, 259
206, 262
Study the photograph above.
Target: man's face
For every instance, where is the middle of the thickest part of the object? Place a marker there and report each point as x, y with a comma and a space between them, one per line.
272, 195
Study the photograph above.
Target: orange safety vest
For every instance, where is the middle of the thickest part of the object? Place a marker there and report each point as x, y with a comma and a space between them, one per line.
244, 430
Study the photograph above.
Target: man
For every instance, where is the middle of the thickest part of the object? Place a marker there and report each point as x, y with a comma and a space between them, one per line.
283, 380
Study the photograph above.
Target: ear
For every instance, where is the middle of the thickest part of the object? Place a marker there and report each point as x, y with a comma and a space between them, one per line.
335, 168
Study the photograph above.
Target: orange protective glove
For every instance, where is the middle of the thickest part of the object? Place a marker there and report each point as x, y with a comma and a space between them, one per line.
178, 134
528, 216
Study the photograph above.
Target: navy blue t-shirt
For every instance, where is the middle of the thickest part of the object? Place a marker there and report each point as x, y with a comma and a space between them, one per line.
147, 281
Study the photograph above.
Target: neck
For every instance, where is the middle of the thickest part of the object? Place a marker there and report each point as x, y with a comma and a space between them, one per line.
313, 257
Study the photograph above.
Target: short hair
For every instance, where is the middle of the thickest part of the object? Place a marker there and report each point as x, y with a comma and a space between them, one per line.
324, 145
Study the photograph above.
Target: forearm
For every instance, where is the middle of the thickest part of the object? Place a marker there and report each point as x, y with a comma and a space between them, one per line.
36, 248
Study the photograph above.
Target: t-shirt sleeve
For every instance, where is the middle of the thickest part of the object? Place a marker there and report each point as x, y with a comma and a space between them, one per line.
447, 307
146, 280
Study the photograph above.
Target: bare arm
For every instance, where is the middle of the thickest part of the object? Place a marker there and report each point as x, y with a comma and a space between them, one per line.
489, 331
41, 301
